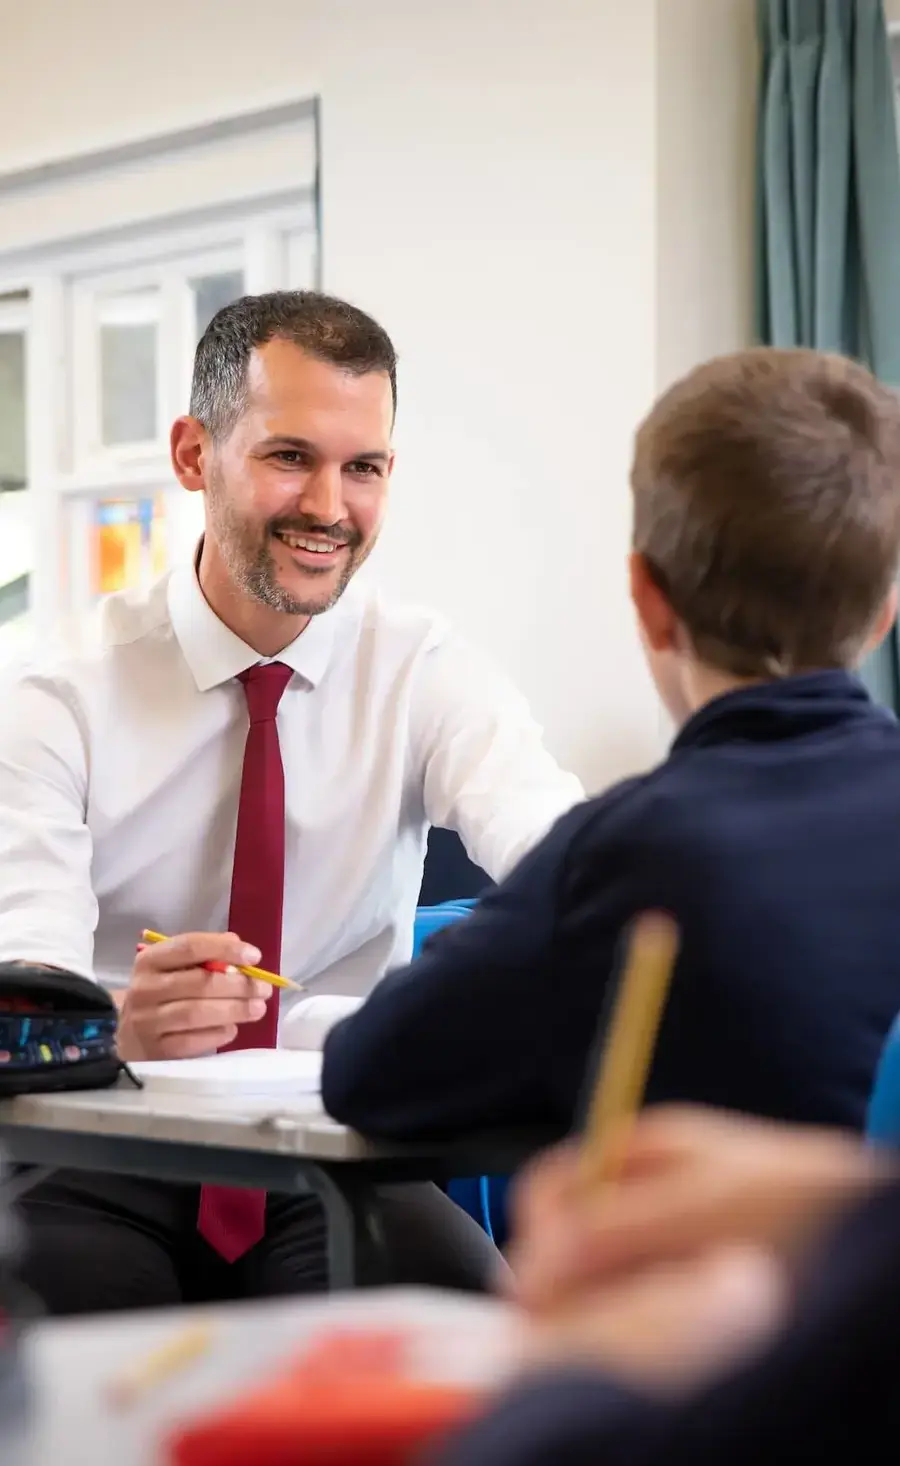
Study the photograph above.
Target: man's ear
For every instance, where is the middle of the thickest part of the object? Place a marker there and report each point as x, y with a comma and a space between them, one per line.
886, 618
187, 443
658, 621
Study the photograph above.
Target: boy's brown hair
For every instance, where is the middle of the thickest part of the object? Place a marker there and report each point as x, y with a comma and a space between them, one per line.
767, 508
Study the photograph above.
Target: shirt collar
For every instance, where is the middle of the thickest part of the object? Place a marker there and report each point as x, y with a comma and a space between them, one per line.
215, 655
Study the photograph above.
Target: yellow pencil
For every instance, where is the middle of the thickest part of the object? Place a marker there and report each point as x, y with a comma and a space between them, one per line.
159, 1363
270, 977
629, 1043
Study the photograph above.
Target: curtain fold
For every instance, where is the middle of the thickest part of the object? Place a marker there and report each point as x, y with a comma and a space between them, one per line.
828, 226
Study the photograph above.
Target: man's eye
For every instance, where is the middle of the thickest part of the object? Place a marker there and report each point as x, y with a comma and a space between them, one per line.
292, 457
364, 470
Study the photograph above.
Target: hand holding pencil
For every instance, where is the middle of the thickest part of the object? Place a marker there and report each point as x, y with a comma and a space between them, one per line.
188, 995
272, 978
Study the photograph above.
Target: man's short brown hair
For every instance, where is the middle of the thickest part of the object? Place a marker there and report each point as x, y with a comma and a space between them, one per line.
767, 507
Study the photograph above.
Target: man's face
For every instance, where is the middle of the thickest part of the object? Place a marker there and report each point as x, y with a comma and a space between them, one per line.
296, 494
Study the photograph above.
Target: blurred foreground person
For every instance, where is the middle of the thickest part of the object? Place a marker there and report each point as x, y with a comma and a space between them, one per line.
734, 1297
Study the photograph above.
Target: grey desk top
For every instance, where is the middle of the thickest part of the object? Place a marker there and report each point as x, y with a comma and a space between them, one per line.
70, 1365
167, 1132
297, 1127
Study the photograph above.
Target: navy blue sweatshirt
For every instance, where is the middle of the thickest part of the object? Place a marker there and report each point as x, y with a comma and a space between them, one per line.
771, 833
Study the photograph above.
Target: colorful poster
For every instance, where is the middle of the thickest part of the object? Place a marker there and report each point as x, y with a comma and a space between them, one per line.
129, 543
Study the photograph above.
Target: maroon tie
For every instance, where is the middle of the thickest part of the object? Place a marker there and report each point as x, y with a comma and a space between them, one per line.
233, 1219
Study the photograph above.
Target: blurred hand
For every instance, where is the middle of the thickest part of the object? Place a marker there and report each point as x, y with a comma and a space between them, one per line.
175, 1009
671, 1327
689, 1182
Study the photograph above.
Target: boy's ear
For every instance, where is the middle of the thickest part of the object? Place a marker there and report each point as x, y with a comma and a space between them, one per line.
658, 621
886, 618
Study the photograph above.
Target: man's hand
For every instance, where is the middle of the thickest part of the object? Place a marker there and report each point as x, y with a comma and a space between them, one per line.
175, 1009
690, 1182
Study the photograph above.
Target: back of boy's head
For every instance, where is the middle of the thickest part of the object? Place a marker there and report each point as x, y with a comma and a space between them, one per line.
767, 508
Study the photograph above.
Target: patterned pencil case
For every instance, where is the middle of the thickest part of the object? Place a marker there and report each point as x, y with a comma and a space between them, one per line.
57, 1031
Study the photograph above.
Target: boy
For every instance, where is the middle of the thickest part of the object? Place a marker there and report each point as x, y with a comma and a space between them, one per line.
766, 543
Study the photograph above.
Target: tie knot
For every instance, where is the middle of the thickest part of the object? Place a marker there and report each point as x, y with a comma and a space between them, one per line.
264, 685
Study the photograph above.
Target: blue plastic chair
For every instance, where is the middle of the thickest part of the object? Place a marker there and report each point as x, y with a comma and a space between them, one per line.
430, 919
883, 1121
483, 1197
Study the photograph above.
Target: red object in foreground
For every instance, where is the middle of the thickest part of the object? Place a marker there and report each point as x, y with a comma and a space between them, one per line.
348, 1402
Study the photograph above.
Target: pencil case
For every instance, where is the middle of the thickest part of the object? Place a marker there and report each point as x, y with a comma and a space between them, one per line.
347, 1403
57, 1031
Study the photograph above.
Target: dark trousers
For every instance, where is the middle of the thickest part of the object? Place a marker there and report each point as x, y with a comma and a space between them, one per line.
97, 1242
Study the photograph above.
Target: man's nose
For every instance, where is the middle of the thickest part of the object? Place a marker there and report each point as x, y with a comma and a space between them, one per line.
323, 495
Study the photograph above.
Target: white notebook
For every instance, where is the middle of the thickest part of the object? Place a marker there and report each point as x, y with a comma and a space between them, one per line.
280, 1073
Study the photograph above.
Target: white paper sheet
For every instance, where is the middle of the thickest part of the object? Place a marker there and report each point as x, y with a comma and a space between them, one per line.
268, 1072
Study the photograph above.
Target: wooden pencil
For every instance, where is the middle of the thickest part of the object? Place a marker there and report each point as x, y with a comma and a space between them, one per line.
260, 972
627, 1051
159, 1363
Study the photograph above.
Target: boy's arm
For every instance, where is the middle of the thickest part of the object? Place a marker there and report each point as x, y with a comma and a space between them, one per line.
465, 1037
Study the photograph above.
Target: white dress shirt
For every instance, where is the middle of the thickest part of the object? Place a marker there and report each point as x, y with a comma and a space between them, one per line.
120, 767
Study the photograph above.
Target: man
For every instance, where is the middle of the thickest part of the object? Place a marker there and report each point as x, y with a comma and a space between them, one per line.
133, 794
732, 1298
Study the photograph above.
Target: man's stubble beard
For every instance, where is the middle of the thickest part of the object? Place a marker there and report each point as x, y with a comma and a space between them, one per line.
260, 580
252, 567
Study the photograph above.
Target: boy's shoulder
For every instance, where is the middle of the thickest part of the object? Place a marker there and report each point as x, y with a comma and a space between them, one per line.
608, 819
659, 809
626, 806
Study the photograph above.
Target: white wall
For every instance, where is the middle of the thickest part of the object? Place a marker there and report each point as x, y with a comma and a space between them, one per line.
491, 193
706, 63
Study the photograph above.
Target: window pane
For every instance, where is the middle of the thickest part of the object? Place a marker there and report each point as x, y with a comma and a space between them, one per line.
16, 562
12, 410
211, 293
16, 548
128, 355
302, 249
128, 542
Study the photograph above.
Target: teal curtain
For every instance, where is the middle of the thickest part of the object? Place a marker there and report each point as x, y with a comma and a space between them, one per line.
829, 200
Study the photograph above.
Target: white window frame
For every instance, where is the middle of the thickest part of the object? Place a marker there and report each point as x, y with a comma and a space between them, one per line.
15, 315
174, 316
274, 239
89, 308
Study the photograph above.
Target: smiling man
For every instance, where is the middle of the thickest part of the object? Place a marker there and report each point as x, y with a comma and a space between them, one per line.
249, 758
290, 518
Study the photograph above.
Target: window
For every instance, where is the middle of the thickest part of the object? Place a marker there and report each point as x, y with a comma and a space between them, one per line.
212, 292
98, 331
13, 325
15, 516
